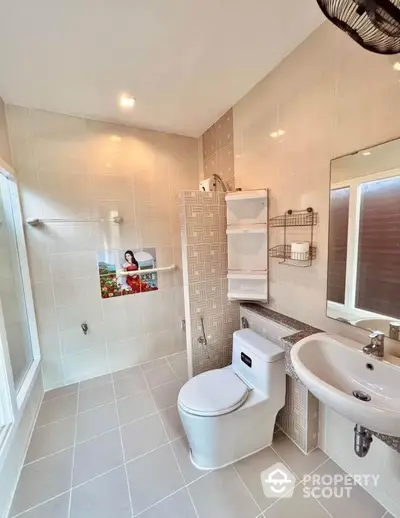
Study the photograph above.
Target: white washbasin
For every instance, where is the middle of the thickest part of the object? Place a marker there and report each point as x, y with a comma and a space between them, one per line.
333, 367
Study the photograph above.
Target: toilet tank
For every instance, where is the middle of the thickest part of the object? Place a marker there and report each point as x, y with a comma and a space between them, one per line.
259, 362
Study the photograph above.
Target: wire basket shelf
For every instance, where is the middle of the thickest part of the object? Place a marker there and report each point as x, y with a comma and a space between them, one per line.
285, 252
295, 218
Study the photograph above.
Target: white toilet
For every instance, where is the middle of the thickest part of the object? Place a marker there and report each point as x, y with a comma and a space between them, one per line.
230, 413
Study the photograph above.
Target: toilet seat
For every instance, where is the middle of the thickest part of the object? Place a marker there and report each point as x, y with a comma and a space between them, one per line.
213, 393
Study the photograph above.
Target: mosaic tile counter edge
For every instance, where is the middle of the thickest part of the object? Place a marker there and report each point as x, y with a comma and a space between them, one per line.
301, 331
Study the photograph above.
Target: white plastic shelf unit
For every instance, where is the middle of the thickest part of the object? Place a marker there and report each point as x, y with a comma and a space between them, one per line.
247, 231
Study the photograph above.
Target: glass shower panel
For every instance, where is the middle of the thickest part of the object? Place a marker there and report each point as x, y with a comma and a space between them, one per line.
12, 294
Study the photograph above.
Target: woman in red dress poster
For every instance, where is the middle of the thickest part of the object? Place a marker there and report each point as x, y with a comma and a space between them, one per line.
135, 283
131, 265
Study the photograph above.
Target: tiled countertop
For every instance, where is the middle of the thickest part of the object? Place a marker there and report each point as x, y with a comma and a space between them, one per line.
302, 330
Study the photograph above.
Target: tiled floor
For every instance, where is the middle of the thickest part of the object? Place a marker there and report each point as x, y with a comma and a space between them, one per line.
113, 447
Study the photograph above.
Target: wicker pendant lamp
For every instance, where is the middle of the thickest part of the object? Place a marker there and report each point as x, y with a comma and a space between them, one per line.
373, 24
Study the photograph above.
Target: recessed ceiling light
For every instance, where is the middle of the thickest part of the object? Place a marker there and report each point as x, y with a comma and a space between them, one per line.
366, 153
126, 101
115, 138
276, 134
396, 66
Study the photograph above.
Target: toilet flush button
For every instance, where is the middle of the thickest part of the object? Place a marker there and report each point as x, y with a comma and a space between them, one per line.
246, 359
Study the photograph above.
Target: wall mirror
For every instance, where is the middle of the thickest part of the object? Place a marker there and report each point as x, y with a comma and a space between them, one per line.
364, 239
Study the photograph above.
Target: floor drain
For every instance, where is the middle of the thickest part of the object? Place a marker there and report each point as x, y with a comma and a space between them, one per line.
363, 396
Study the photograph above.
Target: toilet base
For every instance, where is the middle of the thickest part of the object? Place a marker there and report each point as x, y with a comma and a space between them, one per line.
228, 463
218, 441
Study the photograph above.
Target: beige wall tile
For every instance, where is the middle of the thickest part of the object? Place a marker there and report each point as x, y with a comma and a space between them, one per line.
76, 168
128, 353
330, 97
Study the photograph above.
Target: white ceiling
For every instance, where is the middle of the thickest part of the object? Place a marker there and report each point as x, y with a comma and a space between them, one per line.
185, 61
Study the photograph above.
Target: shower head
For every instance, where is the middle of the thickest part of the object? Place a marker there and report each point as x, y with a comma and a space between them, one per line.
220, 180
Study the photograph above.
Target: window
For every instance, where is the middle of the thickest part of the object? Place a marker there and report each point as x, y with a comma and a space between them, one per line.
364, 247
19, 346
378, 266
338, 233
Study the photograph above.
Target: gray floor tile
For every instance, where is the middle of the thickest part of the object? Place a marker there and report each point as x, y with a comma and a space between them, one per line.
132, 408
97, 382
178, 505
250, 469
359, 502
297, 506
126, 373
94, 397
159, 376
56, 508
153, 477
300, 463
95, 457
103, 497
180, 367
61, 391
167, 395
43, 480
172, 423
96, 421
51, 438
181, 451
142, 436
130, 385
153, 364
56, 409
221, 494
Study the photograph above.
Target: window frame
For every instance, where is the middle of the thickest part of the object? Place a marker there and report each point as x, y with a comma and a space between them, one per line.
13, 401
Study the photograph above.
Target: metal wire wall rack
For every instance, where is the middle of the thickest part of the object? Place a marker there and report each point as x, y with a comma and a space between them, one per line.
295, 218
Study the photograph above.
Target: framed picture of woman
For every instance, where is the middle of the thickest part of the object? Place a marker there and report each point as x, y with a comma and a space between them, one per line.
118, 271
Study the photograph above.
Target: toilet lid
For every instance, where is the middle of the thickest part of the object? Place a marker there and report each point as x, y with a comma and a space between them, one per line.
213, 393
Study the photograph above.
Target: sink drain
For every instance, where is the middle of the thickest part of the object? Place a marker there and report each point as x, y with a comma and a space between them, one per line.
362, 396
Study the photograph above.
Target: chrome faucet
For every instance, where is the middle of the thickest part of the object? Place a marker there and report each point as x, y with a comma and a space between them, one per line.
377, 345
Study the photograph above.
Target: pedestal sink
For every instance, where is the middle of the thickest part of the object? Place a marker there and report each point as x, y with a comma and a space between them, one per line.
364, 389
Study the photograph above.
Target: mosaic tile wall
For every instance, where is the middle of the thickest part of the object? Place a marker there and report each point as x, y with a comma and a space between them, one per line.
299, 417
205, 261
218, 156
